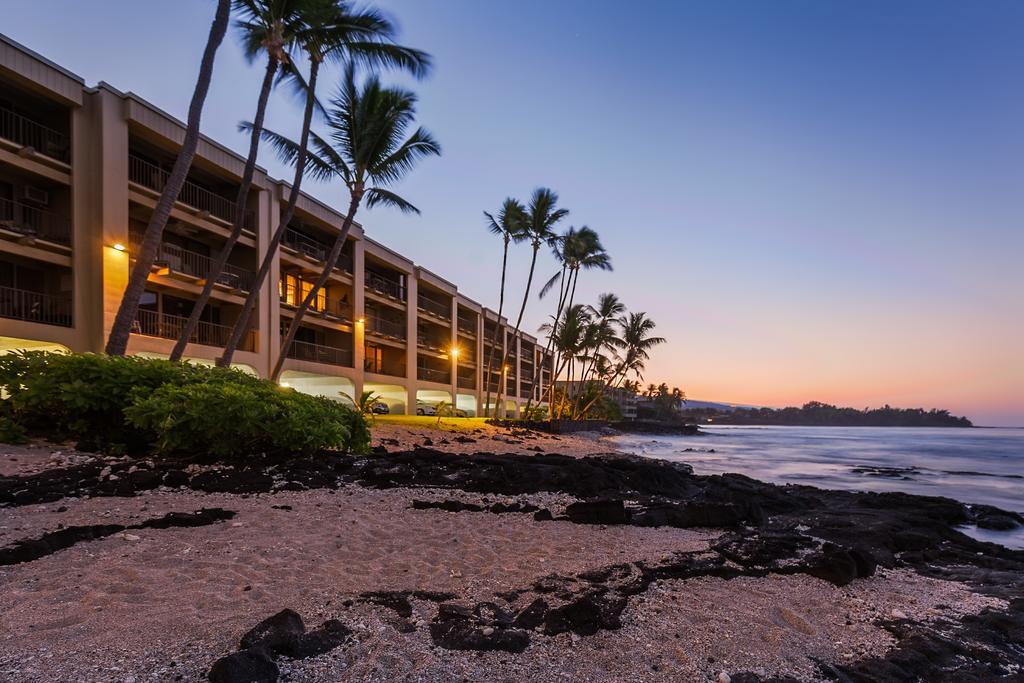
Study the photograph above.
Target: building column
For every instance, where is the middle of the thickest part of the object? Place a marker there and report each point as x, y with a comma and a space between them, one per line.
411, 327
100, 197
359, 314
268, 309
454, 344
480, 360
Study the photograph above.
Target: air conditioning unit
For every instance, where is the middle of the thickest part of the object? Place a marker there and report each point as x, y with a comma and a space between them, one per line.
36, 196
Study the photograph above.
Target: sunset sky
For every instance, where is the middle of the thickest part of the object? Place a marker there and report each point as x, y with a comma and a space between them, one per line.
813, 200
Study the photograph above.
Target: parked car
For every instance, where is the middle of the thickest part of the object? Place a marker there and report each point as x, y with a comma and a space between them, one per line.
426, 409
446, 411
380, 408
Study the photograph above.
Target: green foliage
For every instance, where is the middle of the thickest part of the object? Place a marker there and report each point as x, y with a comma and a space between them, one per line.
228, 420
365, 403
88, 398
11, 431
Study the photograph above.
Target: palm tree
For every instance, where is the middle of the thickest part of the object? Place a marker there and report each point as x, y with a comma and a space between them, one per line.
364, 404
637, 342
117, 342
578, 250
541, 218
271, 26
368, 151
334, 31
511, 227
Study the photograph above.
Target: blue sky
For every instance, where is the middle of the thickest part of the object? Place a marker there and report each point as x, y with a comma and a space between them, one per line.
814, 200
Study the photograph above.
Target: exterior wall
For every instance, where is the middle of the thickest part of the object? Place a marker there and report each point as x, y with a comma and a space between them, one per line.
104, 203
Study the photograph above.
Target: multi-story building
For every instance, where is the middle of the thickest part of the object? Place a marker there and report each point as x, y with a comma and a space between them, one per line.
81, 169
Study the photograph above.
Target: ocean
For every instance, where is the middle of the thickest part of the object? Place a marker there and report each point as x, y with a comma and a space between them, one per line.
974, 466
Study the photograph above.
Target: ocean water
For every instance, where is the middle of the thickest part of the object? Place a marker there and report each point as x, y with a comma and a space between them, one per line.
974, 466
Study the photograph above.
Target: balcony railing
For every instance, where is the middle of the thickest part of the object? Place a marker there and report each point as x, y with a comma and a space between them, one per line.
154, 324
21, 304
34, 222
318, 353
152, 176
431, 375
370, 366
28, 133
384, 327
313, 248
425, 342
467, 382
384, 285
194, 264
467, 326
425, 303
335, 308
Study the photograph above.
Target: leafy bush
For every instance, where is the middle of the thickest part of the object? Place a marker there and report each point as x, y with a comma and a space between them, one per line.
229, 420
88, 397
11, 432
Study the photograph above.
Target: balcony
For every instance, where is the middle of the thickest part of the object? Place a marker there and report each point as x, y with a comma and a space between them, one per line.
467, 382
325, 306
154, 324
318, 353
34, 223
431, 375
152, 176
467, 326
49, 309
425, 342
385, 328
313, 249
434, 308
384, 286
174, 260
27, 133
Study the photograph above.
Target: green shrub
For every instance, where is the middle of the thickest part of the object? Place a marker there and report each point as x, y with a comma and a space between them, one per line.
229, 420
174, 406
11, 431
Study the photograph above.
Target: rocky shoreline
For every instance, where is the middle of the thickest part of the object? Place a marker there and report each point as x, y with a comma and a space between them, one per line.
731, 532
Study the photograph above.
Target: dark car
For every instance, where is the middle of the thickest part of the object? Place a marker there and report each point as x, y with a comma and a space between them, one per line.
380, 408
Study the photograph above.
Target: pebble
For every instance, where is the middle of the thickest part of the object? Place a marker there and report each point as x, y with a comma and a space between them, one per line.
724, 677
488, 631
897, 614
130, 537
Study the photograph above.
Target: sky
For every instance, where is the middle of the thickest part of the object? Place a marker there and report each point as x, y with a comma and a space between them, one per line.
813, 200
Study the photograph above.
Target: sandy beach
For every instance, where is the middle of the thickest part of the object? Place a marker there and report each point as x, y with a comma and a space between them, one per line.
152, 603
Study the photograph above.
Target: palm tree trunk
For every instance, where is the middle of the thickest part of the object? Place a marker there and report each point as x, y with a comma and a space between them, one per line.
547, 349
117, 342
332, 260
240, 203
497, 328
522, 310
242, 324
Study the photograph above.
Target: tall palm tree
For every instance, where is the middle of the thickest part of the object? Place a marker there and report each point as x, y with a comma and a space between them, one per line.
271, 27
334, 31
368, 151
579, 250
541, 217
510, 225
117, 342
637, 341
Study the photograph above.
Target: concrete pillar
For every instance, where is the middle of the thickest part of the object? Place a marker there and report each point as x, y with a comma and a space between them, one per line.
359, 311
411, 326
105, 158
480, 360
268, 310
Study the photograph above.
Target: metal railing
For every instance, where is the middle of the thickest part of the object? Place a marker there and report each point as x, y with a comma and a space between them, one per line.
197, 265
21, 304
34, 222
467, 382
314, 248
293, 296
384, 327
28, 133
384, 285
432, 375
153, 324
318, 353
467, 326
425, 303
426, 342
152, 176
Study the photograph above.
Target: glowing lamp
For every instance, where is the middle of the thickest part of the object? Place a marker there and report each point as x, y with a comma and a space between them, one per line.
117, 246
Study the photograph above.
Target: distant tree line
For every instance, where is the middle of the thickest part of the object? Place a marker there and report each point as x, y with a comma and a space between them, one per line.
816, 413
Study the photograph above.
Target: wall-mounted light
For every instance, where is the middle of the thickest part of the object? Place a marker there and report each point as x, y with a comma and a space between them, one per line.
361, 321
117, 246
455, 352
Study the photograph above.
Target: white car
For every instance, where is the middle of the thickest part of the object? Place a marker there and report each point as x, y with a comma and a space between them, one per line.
426, 409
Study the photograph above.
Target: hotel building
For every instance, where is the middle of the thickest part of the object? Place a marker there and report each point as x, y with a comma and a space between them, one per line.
81, 169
